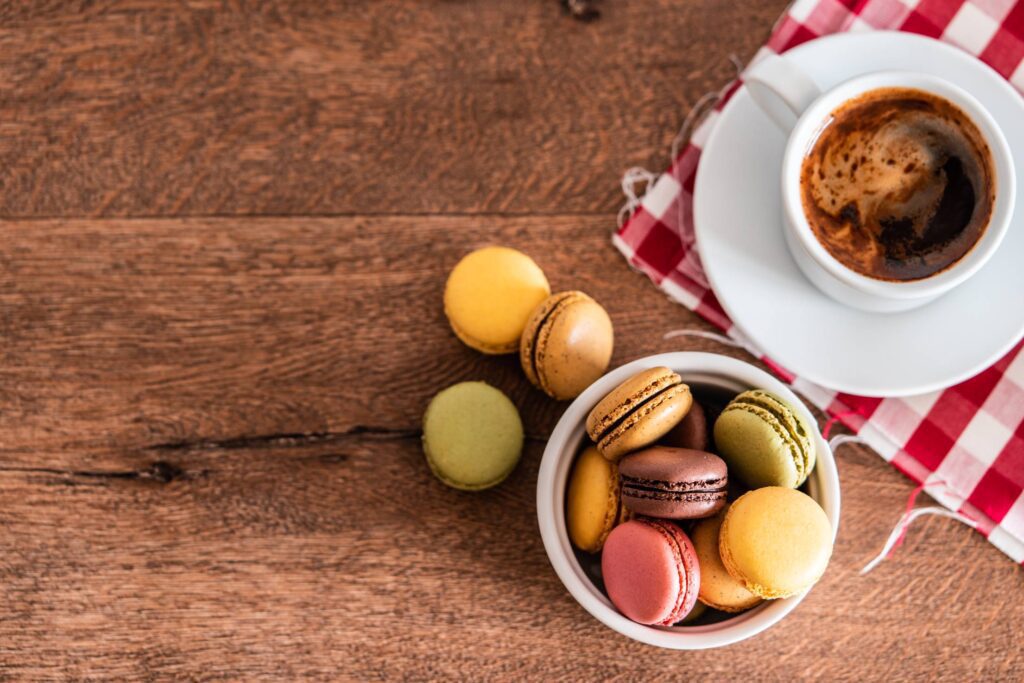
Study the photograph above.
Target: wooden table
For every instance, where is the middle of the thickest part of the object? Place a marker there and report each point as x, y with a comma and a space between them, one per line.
225, 240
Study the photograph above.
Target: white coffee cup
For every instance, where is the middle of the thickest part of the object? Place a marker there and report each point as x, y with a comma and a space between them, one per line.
799, 107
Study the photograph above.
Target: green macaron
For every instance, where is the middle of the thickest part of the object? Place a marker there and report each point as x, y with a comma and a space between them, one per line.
764, 441
472, 436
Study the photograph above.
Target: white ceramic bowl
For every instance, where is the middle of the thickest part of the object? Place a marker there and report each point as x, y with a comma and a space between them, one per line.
706, 369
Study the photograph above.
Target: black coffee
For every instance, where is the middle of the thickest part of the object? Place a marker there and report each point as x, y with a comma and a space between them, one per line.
899, 184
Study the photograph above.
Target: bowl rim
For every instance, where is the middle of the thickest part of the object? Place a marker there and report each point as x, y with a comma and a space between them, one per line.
560, 452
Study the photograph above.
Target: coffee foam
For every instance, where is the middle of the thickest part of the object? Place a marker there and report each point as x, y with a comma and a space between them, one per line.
888, 177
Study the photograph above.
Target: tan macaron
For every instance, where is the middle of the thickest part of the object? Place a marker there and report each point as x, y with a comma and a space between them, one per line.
718, 588
566, 345
638, 412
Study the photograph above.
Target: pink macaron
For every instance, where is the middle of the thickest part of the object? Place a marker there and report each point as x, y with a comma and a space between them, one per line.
650, 571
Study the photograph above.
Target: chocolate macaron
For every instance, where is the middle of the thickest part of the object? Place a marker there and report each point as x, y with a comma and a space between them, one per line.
691, 432
673, 483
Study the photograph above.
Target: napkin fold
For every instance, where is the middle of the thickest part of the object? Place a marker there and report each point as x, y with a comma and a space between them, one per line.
964, 445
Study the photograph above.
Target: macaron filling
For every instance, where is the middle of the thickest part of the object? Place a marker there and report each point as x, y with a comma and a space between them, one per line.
615, 418
670, 490
613, 509
543, 329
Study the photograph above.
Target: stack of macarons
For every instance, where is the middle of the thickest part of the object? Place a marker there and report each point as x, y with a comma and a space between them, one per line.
695, 519
498, 301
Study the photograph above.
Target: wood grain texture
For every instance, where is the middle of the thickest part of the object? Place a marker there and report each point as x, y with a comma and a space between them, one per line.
211, 468
209, 426
144, 108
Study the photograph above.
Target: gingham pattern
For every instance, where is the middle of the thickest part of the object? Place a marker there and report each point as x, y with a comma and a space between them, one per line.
966, 441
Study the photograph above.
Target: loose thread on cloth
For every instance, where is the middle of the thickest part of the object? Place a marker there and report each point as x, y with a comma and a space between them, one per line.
832, 421
843, 439
704, 105
630, 178
639, 174
899, 532
734, 339
703, 334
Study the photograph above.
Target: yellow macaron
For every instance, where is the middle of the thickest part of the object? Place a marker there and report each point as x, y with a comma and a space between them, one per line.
777, 541
593, 507
718, 588
489, 297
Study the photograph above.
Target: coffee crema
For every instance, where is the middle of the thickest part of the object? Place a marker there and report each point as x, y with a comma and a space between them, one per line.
898, 184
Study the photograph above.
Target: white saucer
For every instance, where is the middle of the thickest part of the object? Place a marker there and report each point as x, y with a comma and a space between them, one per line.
738, 222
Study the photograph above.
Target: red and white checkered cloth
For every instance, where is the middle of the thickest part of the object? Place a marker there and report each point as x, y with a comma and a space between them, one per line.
966, 441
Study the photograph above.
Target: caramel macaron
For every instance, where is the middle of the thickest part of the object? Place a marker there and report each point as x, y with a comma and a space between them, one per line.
718, 588
566, 345
638, 412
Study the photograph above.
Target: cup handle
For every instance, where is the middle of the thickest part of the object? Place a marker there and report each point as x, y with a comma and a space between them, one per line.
780, 89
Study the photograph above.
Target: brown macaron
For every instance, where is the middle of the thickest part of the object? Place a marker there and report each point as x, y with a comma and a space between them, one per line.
638, 412
691, 432
673, 483
566, 345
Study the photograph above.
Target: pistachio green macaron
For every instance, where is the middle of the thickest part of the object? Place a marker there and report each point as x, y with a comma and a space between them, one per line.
472, 436
764, 441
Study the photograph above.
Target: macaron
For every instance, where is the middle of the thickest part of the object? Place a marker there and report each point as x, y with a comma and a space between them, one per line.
673, 483
638, 412
696, 613
776, 541
691, 432
566, 345
472, 436
718, 588
593, 507
650, 571
489, 297
764, 441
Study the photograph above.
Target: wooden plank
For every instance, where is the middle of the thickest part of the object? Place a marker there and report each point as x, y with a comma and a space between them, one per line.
134, 334
215, 108
188, 488
349, 561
